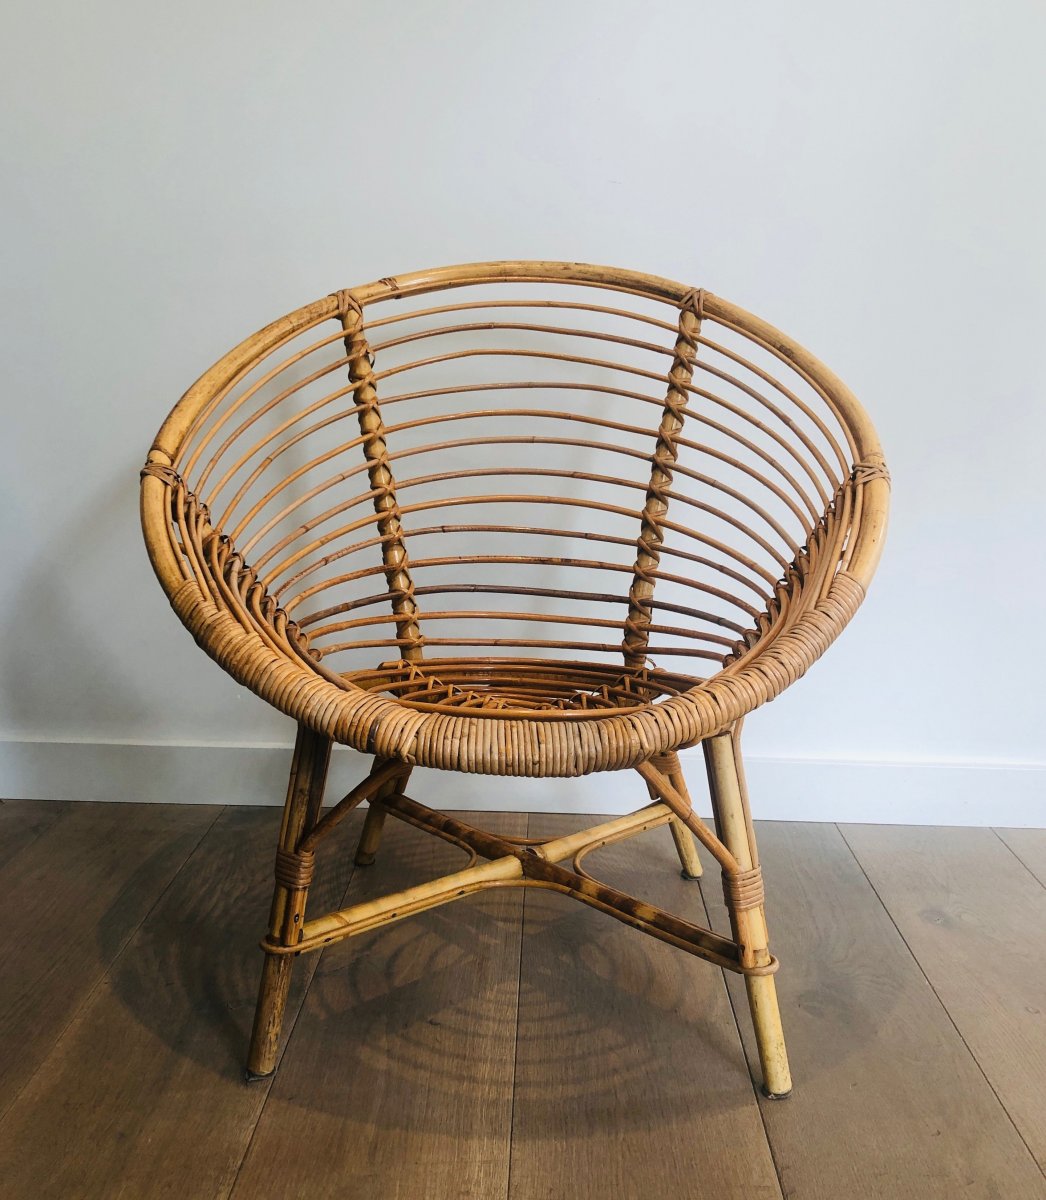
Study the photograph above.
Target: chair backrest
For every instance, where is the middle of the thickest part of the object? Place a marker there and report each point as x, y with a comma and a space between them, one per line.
525, 461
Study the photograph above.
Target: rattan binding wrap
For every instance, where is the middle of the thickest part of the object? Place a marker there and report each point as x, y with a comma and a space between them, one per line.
283, 554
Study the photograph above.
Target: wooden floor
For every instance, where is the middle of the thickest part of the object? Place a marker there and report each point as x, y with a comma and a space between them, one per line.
511, 1046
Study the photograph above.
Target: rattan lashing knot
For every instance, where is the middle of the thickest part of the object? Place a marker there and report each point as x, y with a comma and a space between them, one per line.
633, 627
873, 467
347, 303
162, 472
294, 869
693, 301
743, 889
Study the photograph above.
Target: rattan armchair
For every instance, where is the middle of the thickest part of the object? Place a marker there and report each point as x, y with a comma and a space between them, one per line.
519, 518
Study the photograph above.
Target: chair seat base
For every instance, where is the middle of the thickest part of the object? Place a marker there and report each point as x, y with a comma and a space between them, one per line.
521, 687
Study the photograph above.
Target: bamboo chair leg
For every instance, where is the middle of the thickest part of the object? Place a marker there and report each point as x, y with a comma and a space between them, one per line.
685, 846
374, 822
300, 812
734, 826
370, 838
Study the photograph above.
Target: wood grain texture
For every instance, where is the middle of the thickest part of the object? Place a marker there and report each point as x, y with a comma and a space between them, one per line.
975, 918
400, 1076
630, 1079
397, 1079
888, 1100
144, 1093
75, 895
23, 821
1030, 847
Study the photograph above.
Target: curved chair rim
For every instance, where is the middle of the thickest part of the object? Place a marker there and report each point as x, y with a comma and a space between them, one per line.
681, 720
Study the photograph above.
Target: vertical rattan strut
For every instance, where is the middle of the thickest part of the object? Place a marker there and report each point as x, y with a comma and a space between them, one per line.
666, 451
379, 472
635, 512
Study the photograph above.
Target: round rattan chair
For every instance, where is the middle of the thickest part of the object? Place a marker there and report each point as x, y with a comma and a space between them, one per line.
519, 518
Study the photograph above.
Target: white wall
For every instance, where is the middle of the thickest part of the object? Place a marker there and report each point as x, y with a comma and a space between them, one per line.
870, 179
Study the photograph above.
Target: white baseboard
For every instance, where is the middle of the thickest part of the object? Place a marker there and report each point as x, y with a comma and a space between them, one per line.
783, 789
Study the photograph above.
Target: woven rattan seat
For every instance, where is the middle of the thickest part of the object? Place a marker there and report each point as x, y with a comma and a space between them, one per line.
519, 686
535, 519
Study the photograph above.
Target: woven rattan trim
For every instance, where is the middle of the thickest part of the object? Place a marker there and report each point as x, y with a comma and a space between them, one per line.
743, 890
469, 743
294, 870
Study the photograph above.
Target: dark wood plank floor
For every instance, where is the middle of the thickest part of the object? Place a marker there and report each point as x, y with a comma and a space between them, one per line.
510, 1046
630, 1079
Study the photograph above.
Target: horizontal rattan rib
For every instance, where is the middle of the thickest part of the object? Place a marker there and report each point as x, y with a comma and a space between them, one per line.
240, 613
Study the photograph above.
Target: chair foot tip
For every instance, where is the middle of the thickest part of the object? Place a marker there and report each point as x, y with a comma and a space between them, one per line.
250, 1076
685, 874
365, 860
774, 1095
